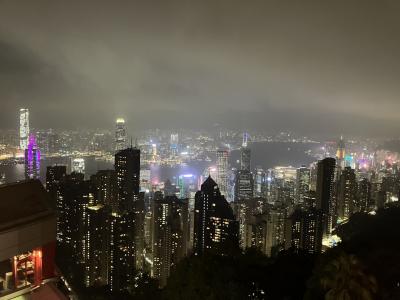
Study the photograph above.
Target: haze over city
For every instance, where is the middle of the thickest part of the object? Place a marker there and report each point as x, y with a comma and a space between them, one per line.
199, 150
313, 67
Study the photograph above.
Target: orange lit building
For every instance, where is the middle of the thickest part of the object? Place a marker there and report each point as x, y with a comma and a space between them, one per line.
27, 239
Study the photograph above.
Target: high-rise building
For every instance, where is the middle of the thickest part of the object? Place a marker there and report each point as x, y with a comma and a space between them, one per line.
23, 128
324, 192
275, 231
120, 135
260, 185
222, 171
304, 231
127, 234
170, 234
340, 153
32, 159
122, 251
303, 180
244, 185
71, 217
97, 241
347, 194
215, 228
174, 144
78, 165
245, 154
364, 195
188, 186
127, 168
105, 183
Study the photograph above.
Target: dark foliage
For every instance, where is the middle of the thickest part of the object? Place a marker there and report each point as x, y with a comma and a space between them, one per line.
248, 276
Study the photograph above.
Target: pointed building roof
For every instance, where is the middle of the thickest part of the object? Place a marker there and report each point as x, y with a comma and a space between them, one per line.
209, 183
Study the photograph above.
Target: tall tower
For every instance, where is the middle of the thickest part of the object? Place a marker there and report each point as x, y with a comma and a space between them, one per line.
325, 180
170, 234
23, 128
347, 194
245, 154
340, 153
174, 142
32, 159
303, 181
215, 227
120, 135
127, 167
222, 171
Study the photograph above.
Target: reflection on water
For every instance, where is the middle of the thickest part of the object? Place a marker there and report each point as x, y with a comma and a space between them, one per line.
266, 155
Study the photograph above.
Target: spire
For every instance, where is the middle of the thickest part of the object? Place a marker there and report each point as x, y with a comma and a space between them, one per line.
245, 138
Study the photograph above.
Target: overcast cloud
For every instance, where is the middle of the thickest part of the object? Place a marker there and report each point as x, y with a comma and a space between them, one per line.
308, 66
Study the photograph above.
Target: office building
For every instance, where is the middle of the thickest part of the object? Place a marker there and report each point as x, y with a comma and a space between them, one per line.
215, 228
170, 234
324, 193
303, 180
120, 135
32, 159
23, 128
222, 171
347, 194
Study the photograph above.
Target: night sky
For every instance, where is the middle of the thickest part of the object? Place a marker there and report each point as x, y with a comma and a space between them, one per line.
310, 66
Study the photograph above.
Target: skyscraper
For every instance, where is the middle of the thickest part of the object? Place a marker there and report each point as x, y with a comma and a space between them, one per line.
222, 171
303, 179
324, 196
120, 135
245, 155
347, 194
174, 144
78, 165
215, 228
170, 234
303, 231
127, 231
340, 153
23, 128
32, 159
127, 168
244, 185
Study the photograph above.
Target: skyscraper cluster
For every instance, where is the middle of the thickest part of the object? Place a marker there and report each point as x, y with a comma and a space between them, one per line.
106, 235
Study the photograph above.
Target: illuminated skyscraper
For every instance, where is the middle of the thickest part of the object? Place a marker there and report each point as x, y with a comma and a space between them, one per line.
347, 194
245, 155
244, 185
215, 228
222, 171
170, 234
303, 179
78, 165
364, 195
275, 230
340, 153
32, 159
127, 167
188, 186
23, 128
120, 135
260, 187
324, 196
174, 144
303, 231
127, 225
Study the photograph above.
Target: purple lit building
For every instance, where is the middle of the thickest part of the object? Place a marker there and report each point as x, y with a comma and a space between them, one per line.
32, 159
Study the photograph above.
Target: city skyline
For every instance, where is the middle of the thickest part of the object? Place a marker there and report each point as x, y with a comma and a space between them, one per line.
216, 149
